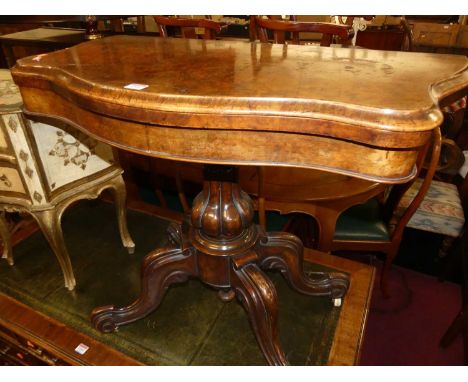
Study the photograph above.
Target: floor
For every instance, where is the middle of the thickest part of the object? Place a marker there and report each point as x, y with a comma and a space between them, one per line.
405, 329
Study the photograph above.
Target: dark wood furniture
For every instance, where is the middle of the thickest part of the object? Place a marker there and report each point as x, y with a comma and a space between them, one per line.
279, 27
375, 227
40, 40
443, 37
322, 195
47, 39
12, 24
22, 36
187, 26
229, 103
458, 260
459, 326
326, 197
28, 337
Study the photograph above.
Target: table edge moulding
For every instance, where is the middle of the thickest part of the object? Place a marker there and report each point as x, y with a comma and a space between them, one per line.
227, 103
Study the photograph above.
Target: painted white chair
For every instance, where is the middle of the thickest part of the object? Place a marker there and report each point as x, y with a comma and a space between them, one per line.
45, 168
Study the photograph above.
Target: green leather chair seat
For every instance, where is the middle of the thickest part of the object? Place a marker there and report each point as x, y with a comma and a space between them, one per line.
362, 222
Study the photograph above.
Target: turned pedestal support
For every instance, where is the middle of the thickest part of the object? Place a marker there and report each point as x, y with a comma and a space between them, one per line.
222, 247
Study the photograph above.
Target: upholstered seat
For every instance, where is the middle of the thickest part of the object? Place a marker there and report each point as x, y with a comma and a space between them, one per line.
362, 222
440, 211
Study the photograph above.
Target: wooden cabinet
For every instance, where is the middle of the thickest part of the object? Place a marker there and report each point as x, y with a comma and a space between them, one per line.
30, 338
462, 39
433, 34
18, 350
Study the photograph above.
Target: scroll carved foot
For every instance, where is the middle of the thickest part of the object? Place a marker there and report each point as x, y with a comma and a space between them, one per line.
258, 296
160, 269
179, 233
284, 251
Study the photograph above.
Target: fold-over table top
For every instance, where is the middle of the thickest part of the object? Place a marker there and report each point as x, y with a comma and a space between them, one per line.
380, 99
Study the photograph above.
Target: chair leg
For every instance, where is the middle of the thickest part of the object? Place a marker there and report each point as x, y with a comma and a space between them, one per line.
327, 227
161, 198
262, 213
180, 192
120, 195
455, 328
447, 244
6, 238
452, 260
49, 222
389, 257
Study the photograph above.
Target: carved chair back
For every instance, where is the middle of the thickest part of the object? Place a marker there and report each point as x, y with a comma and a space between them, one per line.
391, 216
187, 26
278, 27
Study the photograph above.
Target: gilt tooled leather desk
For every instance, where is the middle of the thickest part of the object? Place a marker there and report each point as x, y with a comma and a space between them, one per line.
224, 103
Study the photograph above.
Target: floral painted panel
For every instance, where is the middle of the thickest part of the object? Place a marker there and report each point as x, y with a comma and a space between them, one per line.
10, 97
10, 180
24, 156
68, 155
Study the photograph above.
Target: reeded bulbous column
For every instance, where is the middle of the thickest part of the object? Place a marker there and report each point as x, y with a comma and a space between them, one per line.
222, 223
222, 214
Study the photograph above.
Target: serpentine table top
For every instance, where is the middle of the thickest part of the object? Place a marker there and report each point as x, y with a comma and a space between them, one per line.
353, 111
350, 111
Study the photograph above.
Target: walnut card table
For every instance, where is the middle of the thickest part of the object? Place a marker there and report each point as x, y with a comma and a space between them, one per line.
225, 103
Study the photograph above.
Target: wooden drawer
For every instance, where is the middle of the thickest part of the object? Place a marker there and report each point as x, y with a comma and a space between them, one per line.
432, 34
15, 349
12, 354
462, 41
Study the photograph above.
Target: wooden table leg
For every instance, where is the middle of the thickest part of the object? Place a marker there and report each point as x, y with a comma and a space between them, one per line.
223, 248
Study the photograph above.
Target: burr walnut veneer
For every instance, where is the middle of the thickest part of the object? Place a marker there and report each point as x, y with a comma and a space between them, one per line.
223, 103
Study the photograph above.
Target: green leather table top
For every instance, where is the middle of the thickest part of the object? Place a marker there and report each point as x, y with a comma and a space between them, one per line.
191, 327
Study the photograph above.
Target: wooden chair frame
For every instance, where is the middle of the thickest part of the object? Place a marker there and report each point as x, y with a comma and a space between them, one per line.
211, 27
390, 248
328, 30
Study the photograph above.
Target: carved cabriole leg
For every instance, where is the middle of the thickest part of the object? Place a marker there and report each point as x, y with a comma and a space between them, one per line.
120, 194
258, 296
283, 251
160, 269
6, 239
49, 222
223, 248
225, 237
